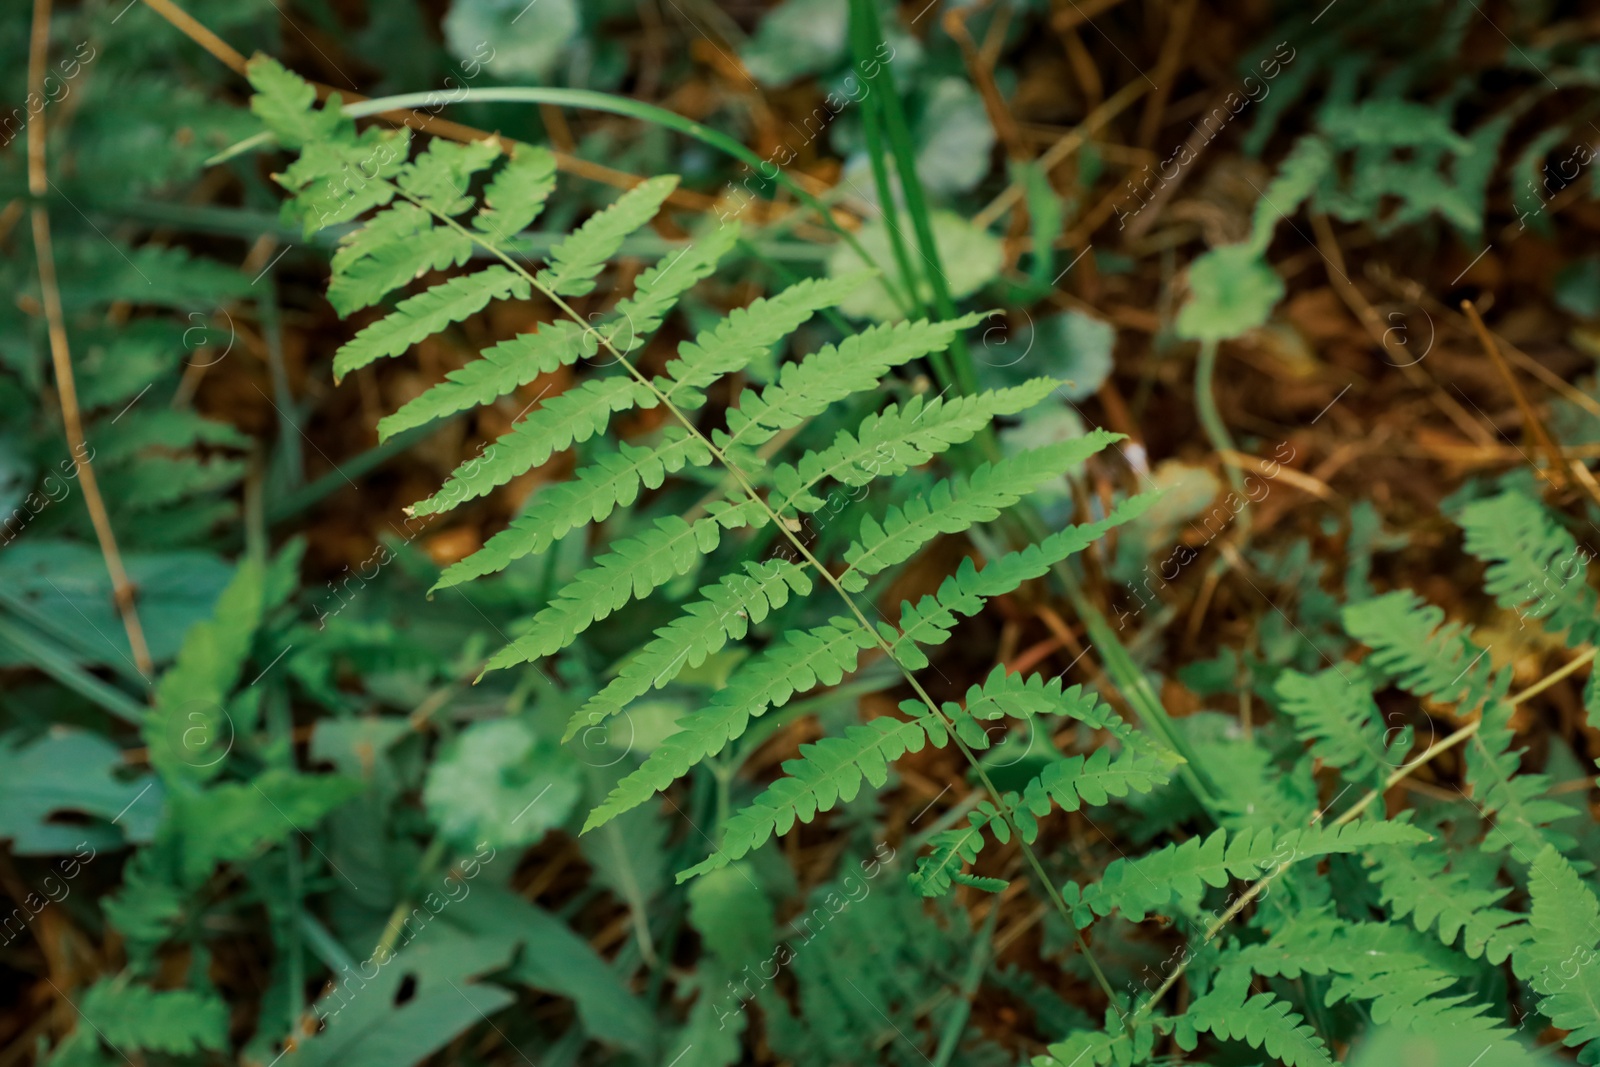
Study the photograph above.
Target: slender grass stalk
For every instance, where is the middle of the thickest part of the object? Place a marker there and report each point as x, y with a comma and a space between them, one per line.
1205, 402
867, 34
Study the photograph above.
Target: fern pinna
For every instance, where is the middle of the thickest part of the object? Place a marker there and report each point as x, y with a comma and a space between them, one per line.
421, 215
1279, 964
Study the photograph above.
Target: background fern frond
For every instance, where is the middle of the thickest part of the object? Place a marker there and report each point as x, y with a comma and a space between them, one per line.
179, 1022
1177, 875
1262, 1021
1536, 567
1412, 643
1522, 812
1339, 718
1414, 882
1561, 954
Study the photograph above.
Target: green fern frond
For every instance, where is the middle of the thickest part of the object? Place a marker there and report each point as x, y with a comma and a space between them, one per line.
800, 661
1028, 696
517, 193
577, 259
133, 1016
1515, 798
1412, 643
1073, 783
1404, 980
1560, 955
826, 773
608, 481
1002, 695
854, 365
1261, 1021
949, 851
1535, 566
956, 506
656, 291
746, 333
726, 610
888, 444
560, 422
1342, 723
1092, 781
396, 246
188, 731
632, 569
500, 370
439, 177
418, 317
964, 593
1111, 1047
1414, 882
1177, 875
286, 105
1435, 659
